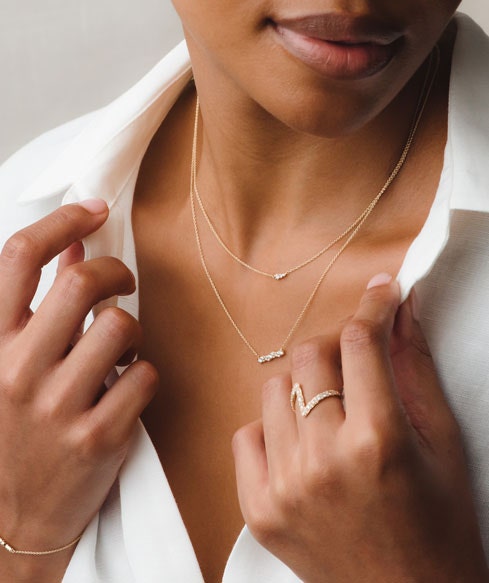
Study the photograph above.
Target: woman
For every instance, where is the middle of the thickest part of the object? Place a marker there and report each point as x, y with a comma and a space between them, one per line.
302, 106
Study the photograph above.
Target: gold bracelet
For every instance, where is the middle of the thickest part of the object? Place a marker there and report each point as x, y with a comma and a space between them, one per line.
13, 551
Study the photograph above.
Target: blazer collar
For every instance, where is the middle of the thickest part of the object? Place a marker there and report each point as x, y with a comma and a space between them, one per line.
468, 126
100, 161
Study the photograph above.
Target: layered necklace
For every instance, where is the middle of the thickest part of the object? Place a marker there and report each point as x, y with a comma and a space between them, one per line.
345, 237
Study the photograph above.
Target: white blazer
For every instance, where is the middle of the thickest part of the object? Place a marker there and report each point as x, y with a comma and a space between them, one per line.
139, 535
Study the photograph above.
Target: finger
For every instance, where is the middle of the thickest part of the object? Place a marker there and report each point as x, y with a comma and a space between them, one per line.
250, 462
28, 250
114, 417
75, 253
279, 425
113, 334
75, 291
316, 369
416, 379
369, 386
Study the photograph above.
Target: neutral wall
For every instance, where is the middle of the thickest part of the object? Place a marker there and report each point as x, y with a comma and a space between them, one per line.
62, 58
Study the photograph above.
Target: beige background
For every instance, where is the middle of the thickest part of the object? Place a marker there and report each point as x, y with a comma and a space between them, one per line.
62, 58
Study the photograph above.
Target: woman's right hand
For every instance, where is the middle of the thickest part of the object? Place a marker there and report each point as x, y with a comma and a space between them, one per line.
63, 437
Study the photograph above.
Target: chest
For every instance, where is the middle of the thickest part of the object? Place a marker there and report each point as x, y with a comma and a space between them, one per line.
210, 380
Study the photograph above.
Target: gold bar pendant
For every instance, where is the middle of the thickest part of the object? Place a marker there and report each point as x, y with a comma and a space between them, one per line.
271, 356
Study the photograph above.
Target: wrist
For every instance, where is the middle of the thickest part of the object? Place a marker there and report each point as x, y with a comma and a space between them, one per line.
39, 553
37, 537
27, 569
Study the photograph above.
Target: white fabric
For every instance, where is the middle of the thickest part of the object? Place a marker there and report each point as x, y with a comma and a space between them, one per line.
139, 536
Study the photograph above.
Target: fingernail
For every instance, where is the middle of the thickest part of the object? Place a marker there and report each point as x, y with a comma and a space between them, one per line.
379, 279
413, 298
95, 206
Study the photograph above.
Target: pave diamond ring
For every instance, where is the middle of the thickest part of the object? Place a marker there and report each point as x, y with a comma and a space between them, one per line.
297, 396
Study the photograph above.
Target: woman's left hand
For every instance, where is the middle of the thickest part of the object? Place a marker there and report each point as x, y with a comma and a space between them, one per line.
376, 490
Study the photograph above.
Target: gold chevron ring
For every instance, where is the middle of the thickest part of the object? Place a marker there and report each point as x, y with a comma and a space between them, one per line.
297, 396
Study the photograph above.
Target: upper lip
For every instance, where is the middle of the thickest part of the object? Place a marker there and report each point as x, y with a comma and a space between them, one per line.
342, 28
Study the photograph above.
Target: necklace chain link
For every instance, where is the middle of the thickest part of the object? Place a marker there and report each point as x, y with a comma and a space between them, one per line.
350, 232
277, 276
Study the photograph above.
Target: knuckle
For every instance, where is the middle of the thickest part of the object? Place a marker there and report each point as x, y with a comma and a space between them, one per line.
50, 409
308, 352
368, 448
11, 393
286, 491
20, 247
90, 441
274, 386
117, 322
65, 214
118, 270
147, 376
116, 326
246, 435
241, 437
320, 476
127, 274
263, 524
361, 334
284, 496
378, 451
77, 281
14, 381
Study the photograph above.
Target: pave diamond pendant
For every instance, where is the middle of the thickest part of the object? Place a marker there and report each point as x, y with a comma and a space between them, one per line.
272, 356
279, 276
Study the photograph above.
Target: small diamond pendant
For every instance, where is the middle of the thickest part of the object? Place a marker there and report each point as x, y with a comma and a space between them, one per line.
271, 356
279, 276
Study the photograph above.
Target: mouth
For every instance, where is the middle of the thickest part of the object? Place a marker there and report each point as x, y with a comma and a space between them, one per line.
339, 46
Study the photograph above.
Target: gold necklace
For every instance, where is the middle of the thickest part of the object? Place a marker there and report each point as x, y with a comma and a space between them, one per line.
278, 276
351, 231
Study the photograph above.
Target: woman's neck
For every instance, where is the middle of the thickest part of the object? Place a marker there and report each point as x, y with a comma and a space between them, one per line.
259, 177
256, 176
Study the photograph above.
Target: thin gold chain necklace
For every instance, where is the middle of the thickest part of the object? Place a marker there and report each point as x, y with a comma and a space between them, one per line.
351, 232
277, 276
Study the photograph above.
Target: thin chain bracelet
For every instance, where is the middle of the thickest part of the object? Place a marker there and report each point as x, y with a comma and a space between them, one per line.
13, 551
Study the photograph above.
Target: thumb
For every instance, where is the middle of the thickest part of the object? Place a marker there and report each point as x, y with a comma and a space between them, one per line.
417, 382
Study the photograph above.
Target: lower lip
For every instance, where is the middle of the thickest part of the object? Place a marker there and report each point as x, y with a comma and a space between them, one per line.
335, 60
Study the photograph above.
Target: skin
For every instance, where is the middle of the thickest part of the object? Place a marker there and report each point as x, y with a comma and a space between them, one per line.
271, 185
63, 450
264, 134
275, 158
391, 483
